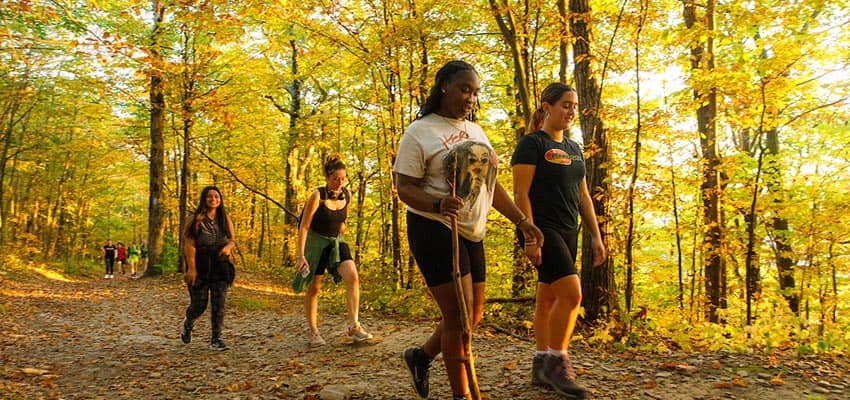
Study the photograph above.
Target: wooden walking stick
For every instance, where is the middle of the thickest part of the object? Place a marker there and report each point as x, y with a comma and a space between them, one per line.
468, 360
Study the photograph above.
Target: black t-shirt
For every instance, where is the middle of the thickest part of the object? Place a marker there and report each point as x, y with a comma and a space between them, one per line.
109, 250
559, 169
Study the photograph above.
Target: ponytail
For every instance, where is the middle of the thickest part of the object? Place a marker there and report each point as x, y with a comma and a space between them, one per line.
551, 94
536, 120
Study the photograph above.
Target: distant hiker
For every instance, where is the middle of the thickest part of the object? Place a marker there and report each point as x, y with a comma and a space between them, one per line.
444, 132
143, 256
121, 256
133, 254
208, 241
322, 248
550, 188
109, 251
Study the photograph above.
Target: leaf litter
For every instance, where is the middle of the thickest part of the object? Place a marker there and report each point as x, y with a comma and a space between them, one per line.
98, 339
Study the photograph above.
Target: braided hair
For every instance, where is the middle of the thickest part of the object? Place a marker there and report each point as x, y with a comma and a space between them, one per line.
446, 74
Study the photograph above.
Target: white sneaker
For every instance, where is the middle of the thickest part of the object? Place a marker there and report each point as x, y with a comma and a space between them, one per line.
315, 339
356, 333
106, 276
111, 276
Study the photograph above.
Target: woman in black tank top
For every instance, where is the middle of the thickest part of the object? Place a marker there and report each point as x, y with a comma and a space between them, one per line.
319, 243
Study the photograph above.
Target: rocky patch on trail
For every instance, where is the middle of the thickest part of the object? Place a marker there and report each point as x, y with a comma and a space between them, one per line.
90, 338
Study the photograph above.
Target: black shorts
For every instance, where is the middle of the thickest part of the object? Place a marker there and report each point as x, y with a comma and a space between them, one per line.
431, 244
559, 255
344, 254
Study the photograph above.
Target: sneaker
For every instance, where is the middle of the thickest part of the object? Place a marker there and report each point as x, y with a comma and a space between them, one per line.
356, 333
186, 331
111, 276
106, 276
217, 344
560, 376
536, 370
314, 339
418, 364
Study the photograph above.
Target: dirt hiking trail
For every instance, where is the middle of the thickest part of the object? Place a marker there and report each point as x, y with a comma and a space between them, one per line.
91, 338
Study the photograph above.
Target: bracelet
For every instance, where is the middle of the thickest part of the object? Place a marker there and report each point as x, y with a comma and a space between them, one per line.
521, 220
301, 257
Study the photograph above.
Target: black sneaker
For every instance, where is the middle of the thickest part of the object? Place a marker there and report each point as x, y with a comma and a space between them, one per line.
418, 364
560, 376
536, 370
218, 345
186, 331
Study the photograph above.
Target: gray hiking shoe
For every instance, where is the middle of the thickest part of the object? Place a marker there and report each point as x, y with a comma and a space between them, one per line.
536, 370
217, 344
186, 331
419, 365
559, 374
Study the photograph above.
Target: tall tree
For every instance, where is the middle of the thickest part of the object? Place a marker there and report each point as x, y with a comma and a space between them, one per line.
599, 290
705, 94
156, 194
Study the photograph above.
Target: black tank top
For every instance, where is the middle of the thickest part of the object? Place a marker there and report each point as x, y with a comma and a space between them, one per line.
329, 222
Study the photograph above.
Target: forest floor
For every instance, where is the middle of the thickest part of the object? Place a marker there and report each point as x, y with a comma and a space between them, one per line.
90, 338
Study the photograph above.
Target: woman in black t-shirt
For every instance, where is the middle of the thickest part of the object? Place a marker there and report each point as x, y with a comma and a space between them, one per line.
208, 241
321, 248
549, 188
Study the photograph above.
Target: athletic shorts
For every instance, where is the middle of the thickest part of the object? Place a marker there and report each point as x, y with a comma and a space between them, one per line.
431, 244
344, 255
559, 255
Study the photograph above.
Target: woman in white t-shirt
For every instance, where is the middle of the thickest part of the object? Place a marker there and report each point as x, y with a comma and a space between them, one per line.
445, 145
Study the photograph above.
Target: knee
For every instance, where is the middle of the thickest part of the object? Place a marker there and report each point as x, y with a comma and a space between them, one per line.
572, 299
312, 292
353, 280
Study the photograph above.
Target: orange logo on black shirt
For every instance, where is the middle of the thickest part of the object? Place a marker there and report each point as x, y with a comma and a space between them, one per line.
558, 156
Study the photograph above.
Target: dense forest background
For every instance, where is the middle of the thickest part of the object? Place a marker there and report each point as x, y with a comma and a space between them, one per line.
716, 134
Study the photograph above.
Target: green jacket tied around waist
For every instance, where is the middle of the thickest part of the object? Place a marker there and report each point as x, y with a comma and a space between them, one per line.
313, 248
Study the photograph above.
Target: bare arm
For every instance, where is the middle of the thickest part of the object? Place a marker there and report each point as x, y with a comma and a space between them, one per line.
411, 193
588, 215
310, 208
191, 272
523, 175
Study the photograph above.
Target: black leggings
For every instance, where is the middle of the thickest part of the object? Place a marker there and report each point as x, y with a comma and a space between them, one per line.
209, 286
110, 265
216, 293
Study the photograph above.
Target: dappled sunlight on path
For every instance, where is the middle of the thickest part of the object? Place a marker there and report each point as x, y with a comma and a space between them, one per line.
119, 338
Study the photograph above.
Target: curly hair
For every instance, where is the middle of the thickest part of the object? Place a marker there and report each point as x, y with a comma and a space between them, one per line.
333, 162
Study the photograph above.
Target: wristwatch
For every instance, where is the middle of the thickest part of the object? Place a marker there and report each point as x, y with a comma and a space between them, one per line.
436, 205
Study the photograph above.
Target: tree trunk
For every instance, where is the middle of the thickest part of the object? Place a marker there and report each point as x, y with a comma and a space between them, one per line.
156, 208
781, 233
513, 38
599, 289
563, 42
702, 61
